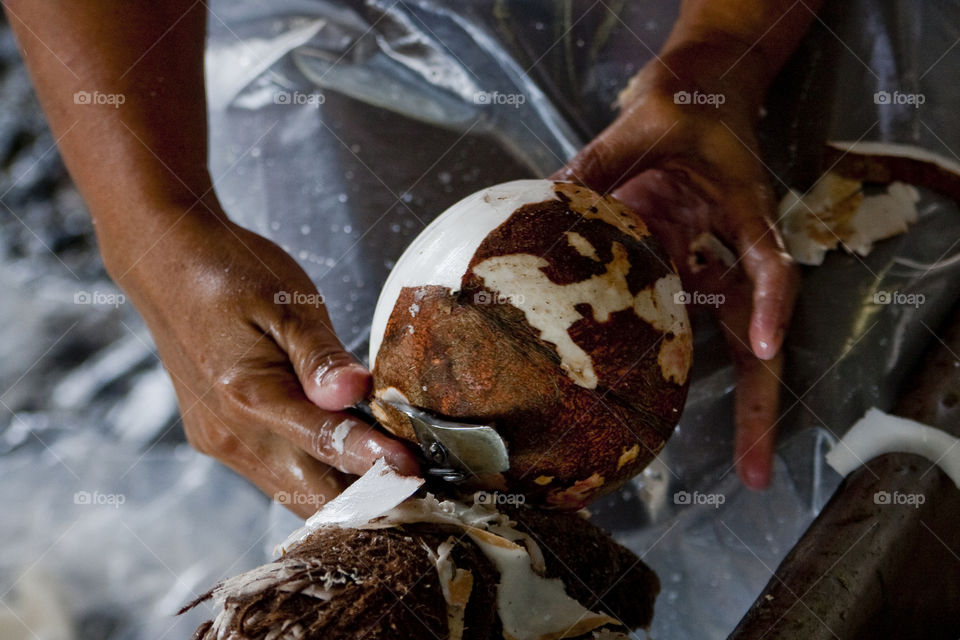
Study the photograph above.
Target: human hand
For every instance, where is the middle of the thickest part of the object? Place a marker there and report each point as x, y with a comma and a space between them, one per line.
693, 174
260, 376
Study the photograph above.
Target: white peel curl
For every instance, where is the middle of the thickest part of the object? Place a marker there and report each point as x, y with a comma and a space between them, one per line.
877, 433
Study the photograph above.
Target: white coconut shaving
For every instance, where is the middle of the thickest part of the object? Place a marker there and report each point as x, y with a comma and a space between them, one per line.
340, 435
455, 583
530, 606
377, 491
878, 433
835, 212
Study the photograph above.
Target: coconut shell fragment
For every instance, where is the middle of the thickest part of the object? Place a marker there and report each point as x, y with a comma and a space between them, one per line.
885, 162
551, 313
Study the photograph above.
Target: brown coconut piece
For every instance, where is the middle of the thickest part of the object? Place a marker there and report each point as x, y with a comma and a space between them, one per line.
384, 584
565, 336
886, 162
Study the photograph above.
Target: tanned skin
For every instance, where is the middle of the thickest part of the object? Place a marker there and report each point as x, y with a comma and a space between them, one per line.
262, 386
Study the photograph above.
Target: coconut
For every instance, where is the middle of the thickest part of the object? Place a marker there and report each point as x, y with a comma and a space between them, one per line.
417, 580
549, 312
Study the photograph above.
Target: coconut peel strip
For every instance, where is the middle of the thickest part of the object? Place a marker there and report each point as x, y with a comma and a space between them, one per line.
877, 433
377, 491
530, 606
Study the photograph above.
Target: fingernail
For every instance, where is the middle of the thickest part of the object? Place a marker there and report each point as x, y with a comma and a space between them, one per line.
755, 476
341, 387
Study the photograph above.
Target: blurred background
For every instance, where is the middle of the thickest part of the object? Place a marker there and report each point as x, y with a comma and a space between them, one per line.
111, 522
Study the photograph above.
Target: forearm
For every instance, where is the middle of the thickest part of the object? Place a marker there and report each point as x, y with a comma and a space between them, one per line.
732, 47
138, 149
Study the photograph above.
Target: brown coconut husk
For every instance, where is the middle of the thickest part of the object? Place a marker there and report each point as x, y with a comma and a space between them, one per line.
376, 584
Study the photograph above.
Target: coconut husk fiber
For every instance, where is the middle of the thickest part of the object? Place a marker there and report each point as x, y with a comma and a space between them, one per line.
373, 584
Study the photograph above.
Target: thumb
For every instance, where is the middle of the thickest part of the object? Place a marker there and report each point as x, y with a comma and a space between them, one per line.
614, 156
332, 378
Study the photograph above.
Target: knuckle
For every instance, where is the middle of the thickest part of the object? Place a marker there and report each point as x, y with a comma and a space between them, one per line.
214, 440
589, 166
315, 349
238, 396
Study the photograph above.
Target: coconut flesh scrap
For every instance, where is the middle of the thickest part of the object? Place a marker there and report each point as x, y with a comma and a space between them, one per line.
530, 606
836, 212
455, 583
877, 433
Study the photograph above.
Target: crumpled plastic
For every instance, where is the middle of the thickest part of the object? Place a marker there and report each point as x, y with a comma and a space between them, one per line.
339, 130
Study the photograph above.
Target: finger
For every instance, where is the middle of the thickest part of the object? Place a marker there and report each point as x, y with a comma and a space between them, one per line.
290, 477
330, 376
274, 399
772, 271
757, 405
757, 397
622, 150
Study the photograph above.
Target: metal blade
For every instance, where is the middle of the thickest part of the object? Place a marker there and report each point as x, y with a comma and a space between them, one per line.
470, 449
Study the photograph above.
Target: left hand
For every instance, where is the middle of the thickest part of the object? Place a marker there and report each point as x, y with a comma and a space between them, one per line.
694, 169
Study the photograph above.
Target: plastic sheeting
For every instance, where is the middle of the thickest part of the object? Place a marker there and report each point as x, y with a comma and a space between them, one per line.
339, 130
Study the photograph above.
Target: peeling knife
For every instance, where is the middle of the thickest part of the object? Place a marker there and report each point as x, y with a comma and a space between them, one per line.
455, 450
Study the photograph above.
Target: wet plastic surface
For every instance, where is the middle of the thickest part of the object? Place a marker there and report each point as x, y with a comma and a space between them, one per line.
344, 182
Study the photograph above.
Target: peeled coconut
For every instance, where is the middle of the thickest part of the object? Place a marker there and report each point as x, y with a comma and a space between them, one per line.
551, 313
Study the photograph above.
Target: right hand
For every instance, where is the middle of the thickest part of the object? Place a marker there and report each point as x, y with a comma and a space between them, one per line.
260, 376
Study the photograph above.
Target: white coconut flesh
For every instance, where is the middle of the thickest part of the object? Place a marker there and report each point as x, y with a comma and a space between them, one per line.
441, 254
878, 433
835, 212
530, 606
